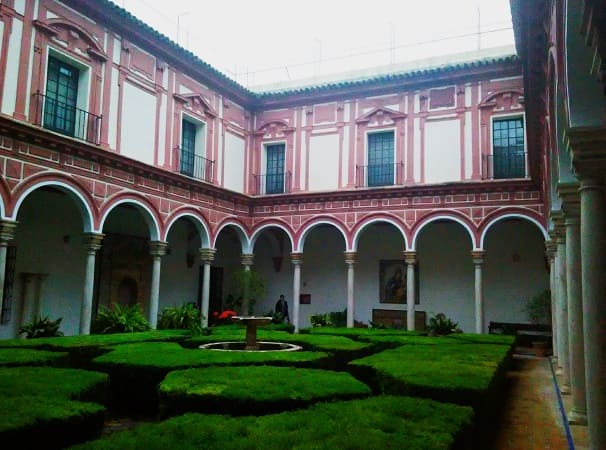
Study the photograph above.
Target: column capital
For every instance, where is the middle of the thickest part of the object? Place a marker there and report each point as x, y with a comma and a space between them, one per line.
550, 248
350, 257
7, 231
92, 241
247, 259
296, 258
571, 199
157, 248
591, 183
207, 255
410, 256
477, 256
587, 148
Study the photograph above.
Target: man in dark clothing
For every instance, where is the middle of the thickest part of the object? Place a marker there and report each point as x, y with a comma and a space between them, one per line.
282, 308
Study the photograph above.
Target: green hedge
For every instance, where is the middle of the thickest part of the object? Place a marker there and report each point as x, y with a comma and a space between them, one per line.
357, 332
137, 369
12, 357
380, 422
40, 406
453, 372
254, 390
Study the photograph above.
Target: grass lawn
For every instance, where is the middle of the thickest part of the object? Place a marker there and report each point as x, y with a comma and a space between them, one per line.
11, 357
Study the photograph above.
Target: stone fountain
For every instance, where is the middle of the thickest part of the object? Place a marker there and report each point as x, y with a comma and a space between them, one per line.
251, 323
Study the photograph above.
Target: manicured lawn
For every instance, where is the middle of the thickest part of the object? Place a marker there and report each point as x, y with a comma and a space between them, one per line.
254, 390
11, 357
374, 423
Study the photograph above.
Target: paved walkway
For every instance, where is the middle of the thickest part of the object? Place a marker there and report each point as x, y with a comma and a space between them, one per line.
531, 418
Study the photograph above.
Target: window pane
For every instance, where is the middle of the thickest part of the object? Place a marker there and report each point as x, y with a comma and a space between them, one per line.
509, 159
61, 96
274, 175
380, 159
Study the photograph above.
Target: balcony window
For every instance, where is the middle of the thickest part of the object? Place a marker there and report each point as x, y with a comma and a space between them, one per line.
191, 160
508, 155
380, 170
275, 157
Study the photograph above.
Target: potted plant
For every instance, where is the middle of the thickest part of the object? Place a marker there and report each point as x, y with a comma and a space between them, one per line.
538, 309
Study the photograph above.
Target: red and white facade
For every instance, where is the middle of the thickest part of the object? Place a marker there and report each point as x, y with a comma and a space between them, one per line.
120, 182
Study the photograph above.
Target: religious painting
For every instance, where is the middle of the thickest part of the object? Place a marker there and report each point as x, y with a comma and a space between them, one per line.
305, 299
392, 281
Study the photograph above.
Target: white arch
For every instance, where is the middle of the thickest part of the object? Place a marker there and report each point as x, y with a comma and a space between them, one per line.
356, 237
512, 216
149, 218
83, 206
259, 230
240, 231
198, 223
312, 225
450, 218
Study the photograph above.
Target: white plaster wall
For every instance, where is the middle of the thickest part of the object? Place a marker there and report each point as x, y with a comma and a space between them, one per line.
442, 151
113, 108
46, 221
446, 273
323, 162
178, 282
138, 121
234, 162
514, 271
12, 68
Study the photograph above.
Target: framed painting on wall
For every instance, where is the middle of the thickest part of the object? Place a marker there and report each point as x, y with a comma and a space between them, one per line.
392, 281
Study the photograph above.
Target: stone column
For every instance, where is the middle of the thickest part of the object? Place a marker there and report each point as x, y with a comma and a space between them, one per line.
350, 260
478, 260
207, 256
7, 233
297, 260
247, 260
410, 257
562, 311
593, 268
157, 249
92, 243
578, 413
31, 293
550, 245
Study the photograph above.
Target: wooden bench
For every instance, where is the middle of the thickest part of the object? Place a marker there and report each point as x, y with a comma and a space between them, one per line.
396, 318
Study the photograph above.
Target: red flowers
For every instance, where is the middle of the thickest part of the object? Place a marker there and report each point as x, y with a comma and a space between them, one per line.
215, 314
227, 314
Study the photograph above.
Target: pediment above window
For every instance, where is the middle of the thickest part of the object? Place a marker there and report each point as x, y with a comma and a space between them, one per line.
197, 103
503, 100
76, 37
381, 115
274, 128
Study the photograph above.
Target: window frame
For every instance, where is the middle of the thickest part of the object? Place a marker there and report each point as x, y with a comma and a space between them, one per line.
200, 147
508, 116
264, 171
391, 130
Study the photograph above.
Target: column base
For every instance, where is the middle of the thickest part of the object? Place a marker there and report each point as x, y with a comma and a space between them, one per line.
559, 371
565, 389
576, 417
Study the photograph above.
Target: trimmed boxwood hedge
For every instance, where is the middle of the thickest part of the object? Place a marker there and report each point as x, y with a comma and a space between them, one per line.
137, 369
39, 406
380, 422
457, 373
253, 390
12, 357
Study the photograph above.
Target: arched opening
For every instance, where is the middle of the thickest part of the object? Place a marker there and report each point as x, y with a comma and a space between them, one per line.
380, 275
272, 247
46, 260
445, 268
224, 292
323, 272
515, 269
125, 263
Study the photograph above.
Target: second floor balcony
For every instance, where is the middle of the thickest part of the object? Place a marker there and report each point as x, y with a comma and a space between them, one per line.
66, 119
272, 183
378, 175
195, 166
504, 166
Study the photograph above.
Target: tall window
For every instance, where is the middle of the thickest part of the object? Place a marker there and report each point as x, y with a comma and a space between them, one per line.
380, 159
509, 158
61, 97
274, 181
188, 147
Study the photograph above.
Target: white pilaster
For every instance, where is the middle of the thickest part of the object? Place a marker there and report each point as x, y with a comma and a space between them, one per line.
350, 260
157, 250
92, 243
478, 260
410, 257
207, 256
297, 260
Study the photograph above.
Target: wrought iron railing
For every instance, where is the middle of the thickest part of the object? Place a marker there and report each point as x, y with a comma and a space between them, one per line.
376, 175
497, 167
272, 183
195, 166
66, 119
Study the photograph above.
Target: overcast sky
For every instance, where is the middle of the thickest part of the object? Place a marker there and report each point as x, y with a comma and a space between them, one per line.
267, 41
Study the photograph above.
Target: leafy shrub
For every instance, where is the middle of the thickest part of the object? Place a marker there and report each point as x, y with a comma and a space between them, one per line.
39, 328
120, 319
335, 319
250, 286
538, 308
185, 317
440, 325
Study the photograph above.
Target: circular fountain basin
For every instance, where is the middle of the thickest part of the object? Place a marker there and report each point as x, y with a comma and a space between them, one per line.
261, 347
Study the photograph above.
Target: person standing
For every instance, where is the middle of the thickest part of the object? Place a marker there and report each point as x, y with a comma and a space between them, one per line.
282, 308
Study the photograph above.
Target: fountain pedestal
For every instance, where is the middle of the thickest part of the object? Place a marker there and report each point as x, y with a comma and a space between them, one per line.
252, 323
